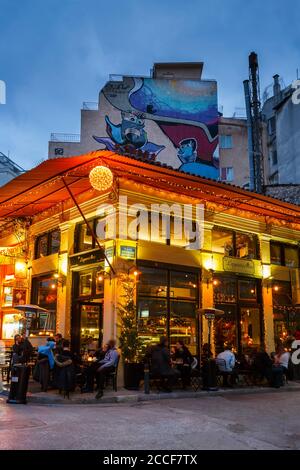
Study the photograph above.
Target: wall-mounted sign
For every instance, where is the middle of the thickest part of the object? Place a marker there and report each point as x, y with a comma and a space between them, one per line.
91, 257
110, 251
237, 265
127, 252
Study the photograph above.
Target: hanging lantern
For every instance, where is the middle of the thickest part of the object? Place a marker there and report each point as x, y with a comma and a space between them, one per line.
101, 178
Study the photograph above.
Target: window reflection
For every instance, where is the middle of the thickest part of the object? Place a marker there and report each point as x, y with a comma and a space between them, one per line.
85, 284
222, 242
245, 245
152, 320
275, 251
291, 256
225, 328
183, 324
230, 243
153, 282
250, 328
167, 303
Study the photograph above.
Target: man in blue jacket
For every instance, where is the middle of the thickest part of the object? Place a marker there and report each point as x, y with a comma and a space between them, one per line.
107, 365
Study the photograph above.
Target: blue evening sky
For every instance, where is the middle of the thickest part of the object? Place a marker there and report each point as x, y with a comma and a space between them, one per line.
55, 54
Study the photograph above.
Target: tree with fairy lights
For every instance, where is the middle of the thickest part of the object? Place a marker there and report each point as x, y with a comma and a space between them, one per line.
130, 342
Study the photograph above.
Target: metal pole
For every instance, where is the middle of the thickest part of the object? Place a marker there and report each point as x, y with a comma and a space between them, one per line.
250, 136
88, 225
209, 338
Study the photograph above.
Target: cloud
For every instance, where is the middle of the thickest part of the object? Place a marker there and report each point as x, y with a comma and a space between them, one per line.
57, 54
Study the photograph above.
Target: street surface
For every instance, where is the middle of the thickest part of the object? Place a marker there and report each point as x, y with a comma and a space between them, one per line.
257, 421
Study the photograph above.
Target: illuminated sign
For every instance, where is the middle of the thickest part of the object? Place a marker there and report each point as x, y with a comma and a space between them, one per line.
127, 252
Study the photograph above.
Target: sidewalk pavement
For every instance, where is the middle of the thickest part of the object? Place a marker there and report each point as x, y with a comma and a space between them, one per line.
52, 397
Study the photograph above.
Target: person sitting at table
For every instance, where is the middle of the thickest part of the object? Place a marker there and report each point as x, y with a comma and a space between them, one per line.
206, 352
107, 365
64, 377
45, 364
161, 365
58, 338
182, 359
226, 364
280, 366
16, 350
90, 369
262, 364
26, 347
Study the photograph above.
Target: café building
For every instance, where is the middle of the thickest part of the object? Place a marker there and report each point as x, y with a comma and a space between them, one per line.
72, 227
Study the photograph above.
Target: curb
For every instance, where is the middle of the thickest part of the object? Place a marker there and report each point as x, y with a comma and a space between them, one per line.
141, 397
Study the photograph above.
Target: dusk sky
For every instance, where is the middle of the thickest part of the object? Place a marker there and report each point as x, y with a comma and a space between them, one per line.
55, 54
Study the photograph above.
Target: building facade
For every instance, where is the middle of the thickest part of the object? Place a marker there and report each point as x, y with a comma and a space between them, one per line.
8, 169
281, 115
245, 264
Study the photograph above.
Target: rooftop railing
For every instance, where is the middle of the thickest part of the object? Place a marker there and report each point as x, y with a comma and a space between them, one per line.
60, 137
90, 105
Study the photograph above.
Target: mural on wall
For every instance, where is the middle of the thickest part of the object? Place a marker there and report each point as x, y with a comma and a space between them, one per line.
182, 111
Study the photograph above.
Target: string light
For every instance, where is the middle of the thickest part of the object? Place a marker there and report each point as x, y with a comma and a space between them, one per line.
101, 178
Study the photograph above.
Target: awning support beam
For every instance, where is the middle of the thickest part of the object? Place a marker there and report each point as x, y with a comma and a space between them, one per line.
88, 225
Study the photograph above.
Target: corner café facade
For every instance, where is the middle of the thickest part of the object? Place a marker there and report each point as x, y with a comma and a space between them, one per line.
248, 265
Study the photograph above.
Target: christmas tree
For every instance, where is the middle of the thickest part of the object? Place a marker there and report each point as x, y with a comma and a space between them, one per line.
129, 340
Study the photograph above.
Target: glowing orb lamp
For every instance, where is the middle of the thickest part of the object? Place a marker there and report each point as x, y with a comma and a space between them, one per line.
101, 178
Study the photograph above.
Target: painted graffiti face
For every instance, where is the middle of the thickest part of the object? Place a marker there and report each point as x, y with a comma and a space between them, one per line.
132, 130
187, 151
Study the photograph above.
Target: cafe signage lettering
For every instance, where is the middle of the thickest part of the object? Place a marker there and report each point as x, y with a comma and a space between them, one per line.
236, 265
91, 257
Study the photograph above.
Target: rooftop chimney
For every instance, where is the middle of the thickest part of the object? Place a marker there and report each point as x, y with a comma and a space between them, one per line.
276, 87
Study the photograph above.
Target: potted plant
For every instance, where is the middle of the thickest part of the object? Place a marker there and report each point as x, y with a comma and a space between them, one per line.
130, 342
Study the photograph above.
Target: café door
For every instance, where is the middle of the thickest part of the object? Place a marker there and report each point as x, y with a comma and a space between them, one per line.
91, 325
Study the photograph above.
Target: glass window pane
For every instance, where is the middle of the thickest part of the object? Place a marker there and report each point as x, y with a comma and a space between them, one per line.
225, 328
291, 257
250, 328
245, 245
99, 283
85, 239
224, 290
247, 290
90, 326
47, 293
282, 294
183, 285
54, 241
85, 284
152, 320
7, 296
153, 282
222, 242
42, 246
183, 324
275, 251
